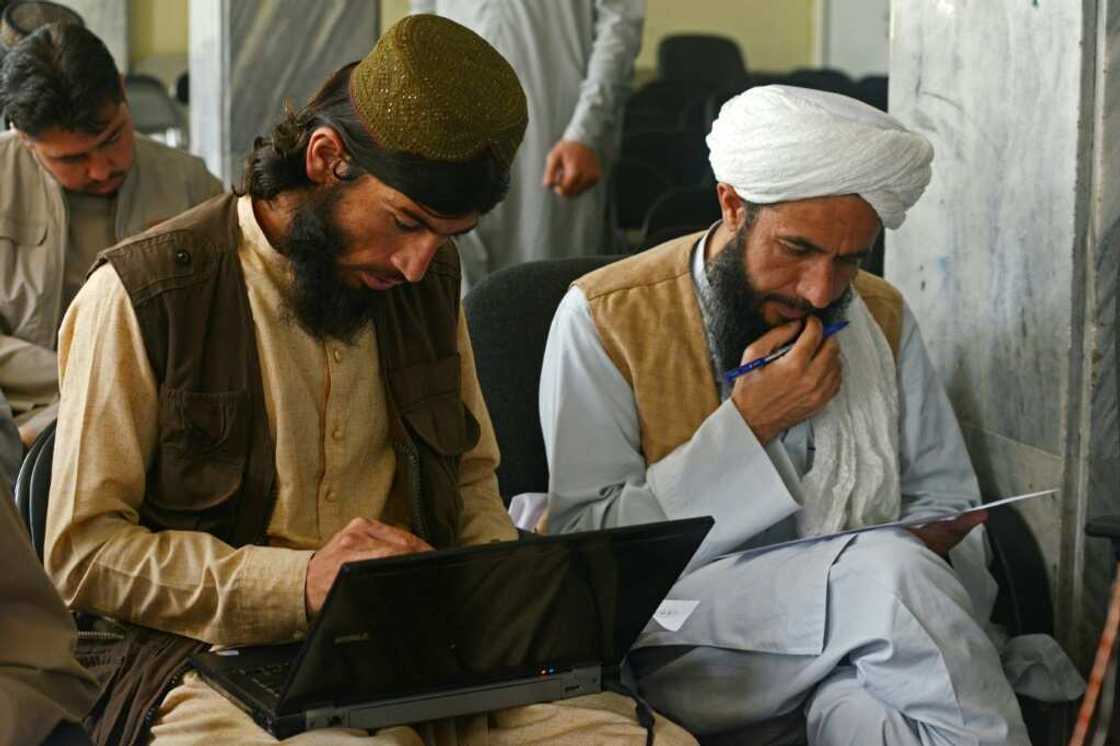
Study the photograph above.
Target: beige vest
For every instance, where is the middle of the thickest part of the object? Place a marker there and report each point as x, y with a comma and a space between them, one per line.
648, 319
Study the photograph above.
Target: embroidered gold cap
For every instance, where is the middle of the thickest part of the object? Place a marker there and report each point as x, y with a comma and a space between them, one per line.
436, 89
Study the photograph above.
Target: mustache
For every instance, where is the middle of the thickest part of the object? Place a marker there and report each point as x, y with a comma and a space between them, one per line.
788, 300
112, 177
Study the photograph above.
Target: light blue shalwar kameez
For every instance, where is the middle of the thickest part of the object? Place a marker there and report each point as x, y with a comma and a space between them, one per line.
879, 637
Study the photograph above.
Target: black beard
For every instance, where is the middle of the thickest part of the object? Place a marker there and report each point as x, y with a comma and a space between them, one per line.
735, 315
318, 299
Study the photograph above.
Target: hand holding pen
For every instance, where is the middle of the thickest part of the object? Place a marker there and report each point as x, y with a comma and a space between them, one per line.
794, 385
731, 375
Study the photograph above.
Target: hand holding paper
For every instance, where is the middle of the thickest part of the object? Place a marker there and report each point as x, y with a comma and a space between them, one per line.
941, 536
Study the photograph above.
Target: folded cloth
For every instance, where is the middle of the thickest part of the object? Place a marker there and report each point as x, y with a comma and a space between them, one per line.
781, 143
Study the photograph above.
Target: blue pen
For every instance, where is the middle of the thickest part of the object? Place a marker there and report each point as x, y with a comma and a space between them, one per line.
734, 373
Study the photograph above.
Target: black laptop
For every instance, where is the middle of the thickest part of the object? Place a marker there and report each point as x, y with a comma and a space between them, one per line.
425, 636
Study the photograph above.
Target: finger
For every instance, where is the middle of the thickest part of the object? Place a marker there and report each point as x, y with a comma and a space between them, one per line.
969, 521
569, 177
580, 186
380, 552
392, 534
771, 340
807, 343
826, 359
551, 169
374, 533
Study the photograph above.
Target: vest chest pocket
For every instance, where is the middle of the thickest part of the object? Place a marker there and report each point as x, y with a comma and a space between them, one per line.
204, 442
429, 399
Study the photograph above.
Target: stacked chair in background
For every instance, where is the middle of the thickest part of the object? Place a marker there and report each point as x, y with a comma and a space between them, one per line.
662, 186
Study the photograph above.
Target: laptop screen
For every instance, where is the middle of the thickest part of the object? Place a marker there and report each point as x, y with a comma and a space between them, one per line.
466, 617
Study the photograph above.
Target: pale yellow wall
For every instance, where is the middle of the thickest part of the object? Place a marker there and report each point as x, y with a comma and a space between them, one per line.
773, 34
157, 27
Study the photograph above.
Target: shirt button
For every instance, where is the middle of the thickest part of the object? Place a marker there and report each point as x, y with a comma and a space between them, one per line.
338, 356
329, 496
337, 434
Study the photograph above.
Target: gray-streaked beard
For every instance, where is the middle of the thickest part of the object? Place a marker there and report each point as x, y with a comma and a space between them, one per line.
735, 314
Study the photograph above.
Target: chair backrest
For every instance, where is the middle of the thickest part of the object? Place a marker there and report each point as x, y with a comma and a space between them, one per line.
1023, 604
823, 79
153, 110
635, 187
702, 58
33, 486
680, 154
692, 208
509, 314
657, 105
873, 89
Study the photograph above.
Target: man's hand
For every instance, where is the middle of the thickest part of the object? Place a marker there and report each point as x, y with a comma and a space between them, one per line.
361, 539
571, 168
941, 536
794, 387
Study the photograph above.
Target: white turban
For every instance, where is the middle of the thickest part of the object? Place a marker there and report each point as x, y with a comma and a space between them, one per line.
779, 143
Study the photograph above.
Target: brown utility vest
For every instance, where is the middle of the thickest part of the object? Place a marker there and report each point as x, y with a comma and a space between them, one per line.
648, 319
214, 469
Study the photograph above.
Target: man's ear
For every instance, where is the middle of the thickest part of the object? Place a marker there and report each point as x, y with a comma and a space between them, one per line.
731, 207
324, 153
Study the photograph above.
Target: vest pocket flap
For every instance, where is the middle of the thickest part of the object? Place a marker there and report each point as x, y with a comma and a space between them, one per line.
429, 400
22, 232
204, 439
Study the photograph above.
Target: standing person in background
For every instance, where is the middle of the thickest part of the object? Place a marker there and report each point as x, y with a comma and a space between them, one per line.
575, 61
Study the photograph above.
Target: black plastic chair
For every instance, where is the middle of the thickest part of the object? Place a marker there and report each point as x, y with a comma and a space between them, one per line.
509, 314
33, 486
705, 59
679, 154
658, 104
153, 110
692, 208
635, 186
823, 79
872, 89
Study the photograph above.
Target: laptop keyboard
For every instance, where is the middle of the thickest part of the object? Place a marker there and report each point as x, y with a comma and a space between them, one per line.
271, 678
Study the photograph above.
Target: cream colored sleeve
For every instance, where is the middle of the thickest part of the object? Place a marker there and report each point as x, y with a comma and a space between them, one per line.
99, 556
484, 515
40, 681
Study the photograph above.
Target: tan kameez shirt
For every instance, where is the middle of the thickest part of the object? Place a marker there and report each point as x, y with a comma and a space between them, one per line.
326, 412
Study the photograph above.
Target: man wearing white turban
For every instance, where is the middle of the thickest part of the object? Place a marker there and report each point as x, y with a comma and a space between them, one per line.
876, 638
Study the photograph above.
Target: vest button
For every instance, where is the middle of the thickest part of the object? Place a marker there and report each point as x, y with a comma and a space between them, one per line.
182, 257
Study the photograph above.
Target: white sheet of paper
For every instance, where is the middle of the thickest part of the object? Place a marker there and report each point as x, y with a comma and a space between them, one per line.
901, 524
672, 614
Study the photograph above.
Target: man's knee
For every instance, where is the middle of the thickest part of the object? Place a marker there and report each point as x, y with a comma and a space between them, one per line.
840, 712
896, 563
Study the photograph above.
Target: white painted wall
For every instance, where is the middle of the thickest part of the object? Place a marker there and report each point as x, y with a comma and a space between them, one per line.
855, 36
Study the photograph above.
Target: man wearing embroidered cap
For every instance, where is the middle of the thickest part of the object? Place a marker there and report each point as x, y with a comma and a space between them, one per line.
271, 354
868, 640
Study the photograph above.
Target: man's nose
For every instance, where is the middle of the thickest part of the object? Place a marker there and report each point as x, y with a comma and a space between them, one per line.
413, 261
100, 167
817, 283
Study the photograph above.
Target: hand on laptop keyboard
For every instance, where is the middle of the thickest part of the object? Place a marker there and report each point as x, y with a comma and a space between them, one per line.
361, 539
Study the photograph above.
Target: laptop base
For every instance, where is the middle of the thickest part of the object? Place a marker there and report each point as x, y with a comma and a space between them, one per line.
404, 710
